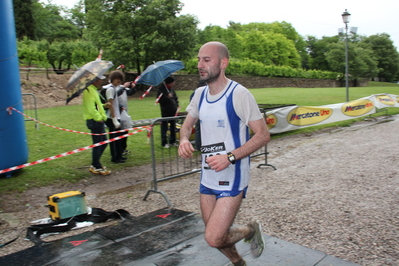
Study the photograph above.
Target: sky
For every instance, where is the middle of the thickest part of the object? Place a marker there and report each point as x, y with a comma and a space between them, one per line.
308, 17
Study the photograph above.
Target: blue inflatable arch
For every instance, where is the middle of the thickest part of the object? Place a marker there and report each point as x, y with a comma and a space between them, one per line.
13, 142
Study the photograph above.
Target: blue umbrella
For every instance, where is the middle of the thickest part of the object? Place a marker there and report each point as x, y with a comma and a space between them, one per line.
157, 72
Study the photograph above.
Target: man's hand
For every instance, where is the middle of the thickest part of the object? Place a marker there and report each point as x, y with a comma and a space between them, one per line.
218, 162
107, 105
127, 84
116, 123
185, 149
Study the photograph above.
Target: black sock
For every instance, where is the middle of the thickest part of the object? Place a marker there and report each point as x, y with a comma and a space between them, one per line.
241, 262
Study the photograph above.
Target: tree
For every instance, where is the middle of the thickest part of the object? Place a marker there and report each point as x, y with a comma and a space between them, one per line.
50, 25
62, 55
284, 28
386, 54
361, 60
255, 41
137, 32
24, 21
77, 17
317, 50
270, 49
30, 52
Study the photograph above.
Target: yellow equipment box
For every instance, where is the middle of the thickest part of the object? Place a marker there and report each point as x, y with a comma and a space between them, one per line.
67, 204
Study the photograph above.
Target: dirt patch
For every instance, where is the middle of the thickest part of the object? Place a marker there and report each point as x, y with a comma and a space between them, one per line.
49, 90
117, 182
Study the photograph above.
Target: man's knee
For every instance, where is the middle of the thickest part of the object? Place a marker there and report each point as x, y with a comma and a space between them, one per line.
214, 240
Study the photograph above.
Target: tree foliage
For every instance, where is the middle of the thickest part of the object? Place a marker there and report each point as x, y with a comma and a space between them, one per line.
60, 55
30, 52
317, 49
50, 25
361, 61
24, 20
137, 32
386, 55
267, 43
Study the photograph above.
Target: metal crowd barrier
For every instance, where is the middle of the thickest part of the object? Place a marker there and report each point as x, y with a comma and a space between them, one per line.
30, 107
167, 165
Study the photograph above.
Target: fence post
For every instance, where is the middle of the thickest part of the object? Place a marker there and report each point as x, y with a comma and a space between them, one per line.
266, 164
154, 183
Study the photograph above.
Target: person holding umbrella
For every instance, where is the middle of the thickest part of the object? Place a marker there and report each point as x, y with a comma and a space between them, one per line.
169, 103
95, 116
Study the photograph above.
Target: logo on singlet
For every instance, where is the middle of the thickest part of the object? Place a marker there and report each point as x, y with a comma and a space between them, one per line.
220, 123
224, 183
217, 147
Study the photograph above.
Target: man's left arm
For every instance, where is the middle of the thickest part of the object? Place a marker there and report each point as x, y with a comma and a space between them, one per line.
257, 141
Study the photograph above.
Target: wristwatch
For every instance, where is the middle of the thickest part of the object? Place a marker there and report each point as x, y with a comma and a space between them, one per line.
231, 158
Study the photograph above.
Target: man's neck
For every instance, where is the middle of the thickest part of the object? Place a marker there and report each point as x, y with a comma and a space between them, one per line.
218, 85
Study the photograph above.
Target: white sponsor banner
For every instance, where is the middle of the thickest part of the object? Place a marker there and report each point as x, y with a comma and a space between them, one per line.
295, 117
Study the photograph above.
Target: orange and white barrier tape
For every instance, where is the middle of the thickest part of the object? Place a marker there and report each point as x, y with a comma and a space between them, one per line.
9, 109
69, 153
157, 99
145, 93
177, 111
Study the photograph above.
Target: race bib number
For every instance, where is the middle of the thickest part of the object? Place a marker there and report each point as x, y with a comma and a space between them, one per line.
211, 150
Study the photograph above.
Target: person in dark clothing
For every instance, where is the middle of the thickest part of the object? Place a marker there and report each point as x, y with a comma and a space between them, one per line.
169, 103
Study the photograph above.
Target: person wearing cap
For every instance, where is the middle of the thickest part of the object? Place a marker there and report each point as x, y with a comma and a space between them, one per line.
95, 116
169, 103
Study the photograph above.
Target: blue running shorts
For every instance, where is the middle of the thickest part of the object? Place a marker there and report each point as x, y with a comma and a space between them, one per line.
220, 193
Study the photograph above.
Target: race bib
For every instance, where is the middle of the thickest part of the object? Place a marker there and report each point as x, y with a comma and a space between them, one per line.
211, 150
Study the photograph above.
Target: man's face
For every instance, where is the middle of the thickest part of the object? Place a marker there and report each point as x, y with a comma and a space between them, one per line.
98, 83
116, 82
209, 66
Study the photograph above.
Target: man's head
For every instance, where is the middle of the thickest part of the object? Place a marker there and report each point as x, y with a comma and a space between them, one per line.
116, 77
169, 81
98, 82
213, 59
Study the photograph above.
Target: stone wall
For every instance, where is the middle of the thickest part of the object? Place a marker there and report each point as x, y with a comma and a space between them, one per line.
190, 82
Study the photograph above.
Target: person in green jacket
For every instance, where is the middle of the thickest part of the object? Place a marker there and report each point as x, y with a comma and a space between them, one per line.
95, 116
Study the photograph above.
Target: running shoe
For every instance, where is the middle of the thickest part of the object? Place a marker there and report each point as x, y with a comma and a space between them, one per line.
99, 171
257, 242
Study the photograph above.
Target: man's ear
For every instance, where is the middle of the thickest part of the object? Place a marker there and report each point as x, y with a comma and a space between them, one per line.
224, 63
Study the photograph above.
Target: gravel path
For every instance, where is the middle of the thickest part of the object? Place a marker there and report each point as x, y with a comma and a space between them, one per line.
336, 191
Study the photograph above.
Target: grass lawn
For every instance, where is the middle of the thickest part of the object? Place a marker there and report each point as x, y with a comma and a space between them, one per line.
47, 142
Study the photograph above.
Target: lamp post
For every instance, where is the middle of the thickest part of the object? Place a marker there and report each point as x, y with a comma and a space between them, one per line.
346, 17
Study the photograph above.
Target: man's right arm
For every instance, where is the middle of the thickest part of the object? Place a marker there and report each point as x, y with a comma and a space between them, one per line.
185, 147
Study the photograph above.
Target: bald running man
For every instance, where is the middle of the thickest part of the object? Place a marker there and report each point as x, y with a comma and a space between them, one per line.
225, 110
